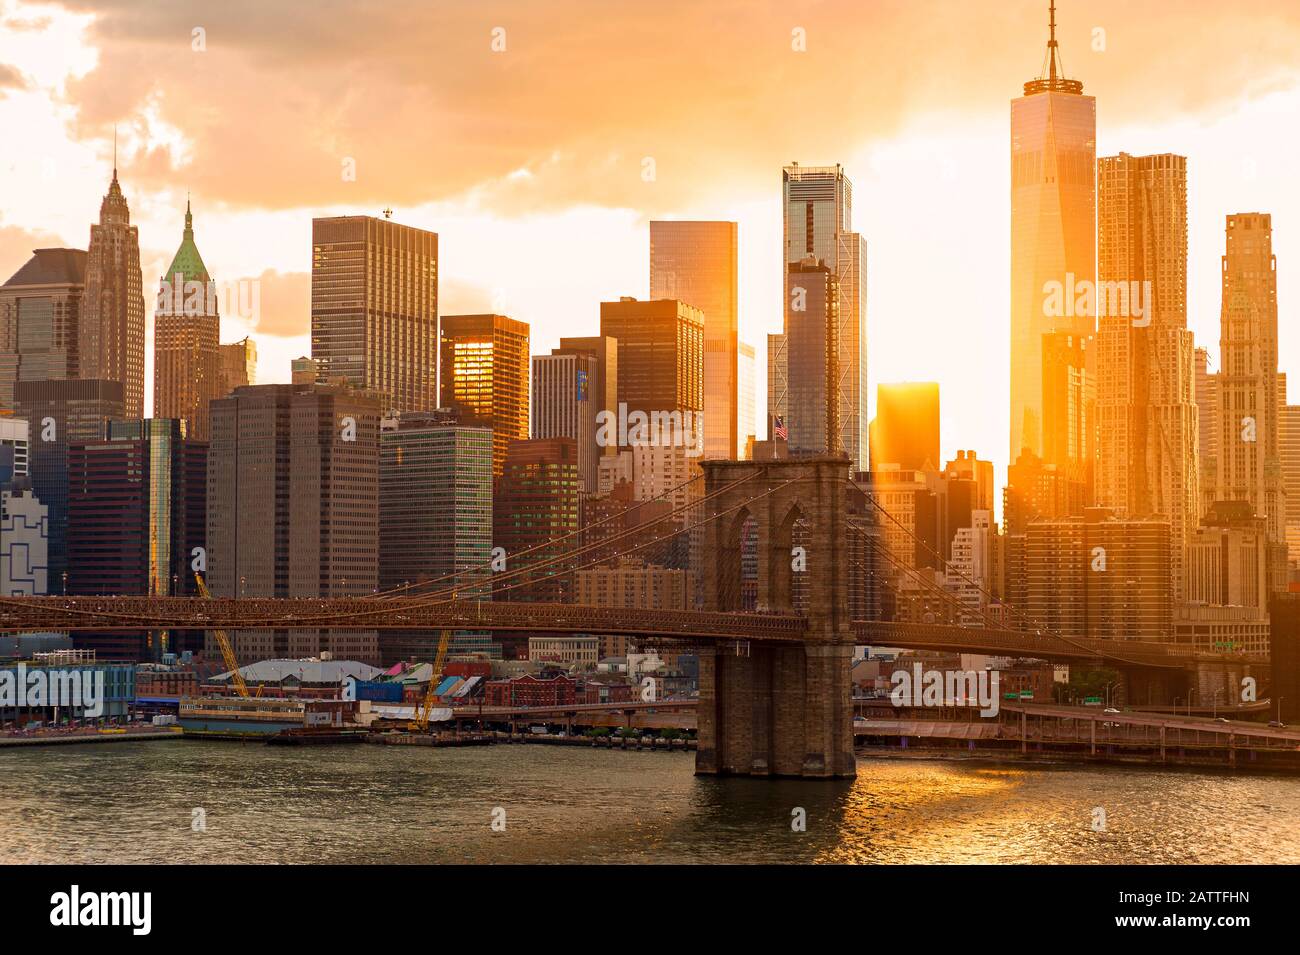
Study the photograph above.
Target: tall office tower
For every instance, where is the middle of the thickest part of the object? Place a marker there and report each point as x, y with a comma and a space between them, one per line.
1069, 404
1289, 451
1250, 467
112, 309
564, 406
1207, 411
186, 339
534, 508
293, 501
778, 385
817, 206
602, 385
374, 308
1053, 162
485, 375
40, 319
695, 262
435, 514
136, 506
660, 354
905, 431
237, 365
63, 412
811, 359
1146, 400
746, 428
435, 499
1129, 597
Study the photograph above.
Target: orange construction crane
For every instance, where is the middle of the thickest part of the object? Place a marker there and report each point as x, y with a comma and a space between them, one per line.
425, 709
227, 651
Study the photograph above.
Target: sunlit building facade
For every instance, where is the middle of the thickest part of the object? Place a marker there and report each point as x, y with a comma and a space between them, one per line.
1249, 460
1053, 165
1100, 577
660, 354
906, 429
811, 359
564, 405
112, 329
186, 339
696, 263
1146, 402
817, 205
485, 376
40, 320
374, 308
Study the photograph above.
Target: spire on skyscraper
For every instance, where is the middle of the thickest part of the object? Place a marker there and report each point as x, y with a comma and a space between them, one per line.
1052, 79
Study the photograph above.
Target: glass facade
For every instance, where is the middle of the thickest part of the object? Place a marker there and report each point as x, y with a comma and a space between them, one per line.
817, 204
485, 375
811, 359
435, 500
1053, 237
40, 320
374, 308
62, 412
695, 263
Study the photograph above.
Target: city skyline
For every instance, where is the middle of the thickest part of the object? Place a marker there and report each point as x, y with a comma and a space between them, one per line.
1234, 165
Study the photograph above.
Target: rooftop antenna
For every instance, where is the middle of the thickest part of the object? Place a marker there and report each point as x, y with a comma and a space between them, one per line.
1051, 41
388, 213
115, 151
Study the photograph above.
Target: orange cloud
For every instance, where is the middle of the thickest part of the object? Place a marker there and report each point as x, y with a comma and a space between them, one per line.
585, 91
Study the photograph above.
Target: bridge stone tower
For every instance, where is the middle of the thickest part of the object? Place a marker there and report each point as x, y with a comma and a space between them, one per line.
768, 709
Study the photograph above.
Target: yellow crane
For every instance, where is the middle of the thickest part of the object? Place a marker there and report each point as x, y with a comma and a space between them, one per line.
425, 709
227, 651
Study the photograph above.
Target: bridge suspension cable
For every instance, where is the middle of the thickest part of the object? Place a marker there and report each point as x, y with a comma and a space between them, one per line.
532, 568
487, 564
1036, 628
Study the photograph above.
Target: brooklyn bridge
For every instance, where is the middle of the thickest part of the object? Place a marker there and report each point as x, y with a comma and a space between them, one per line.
775, 685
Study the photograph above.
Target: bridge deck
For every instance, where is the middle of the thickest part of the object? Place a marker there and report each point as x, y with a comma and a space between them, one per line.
369, 613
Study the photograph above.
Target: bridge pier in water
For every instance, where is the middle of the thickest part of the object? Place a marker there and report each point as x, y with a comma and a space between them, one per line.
779, 709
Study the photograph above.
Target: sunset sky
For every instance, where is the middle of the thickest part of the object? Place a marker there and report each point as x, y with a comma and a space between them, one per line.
528, 162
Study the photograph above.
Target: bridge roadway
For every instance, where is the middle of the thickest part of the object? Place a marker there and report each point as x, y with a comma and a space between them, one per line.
369, 613
1025, 643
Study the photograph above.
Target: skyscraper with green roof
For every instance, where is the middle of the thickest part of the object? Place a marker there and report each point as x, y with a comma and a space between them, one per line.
187, 326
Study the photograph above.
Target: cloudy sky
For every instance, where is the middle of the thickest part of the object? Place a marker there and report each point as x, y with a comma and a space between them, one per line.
528, 160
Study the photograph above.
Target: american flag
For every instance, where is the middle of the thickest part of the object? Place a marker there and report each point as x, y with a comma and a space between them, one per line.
779, 429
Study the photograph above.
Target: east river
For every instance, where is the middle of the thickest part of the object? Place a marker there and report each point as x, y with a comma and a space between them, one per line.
188, 801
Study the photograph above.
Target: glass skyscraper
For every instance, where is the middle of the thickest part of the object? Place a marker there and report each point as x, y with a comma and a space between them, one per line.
1053, 171
695, 263
374, 308
817, 203
485, 375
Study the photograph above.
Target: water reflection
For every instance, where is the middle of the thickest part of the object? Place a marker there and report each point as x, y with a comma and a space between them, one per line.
133, 802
